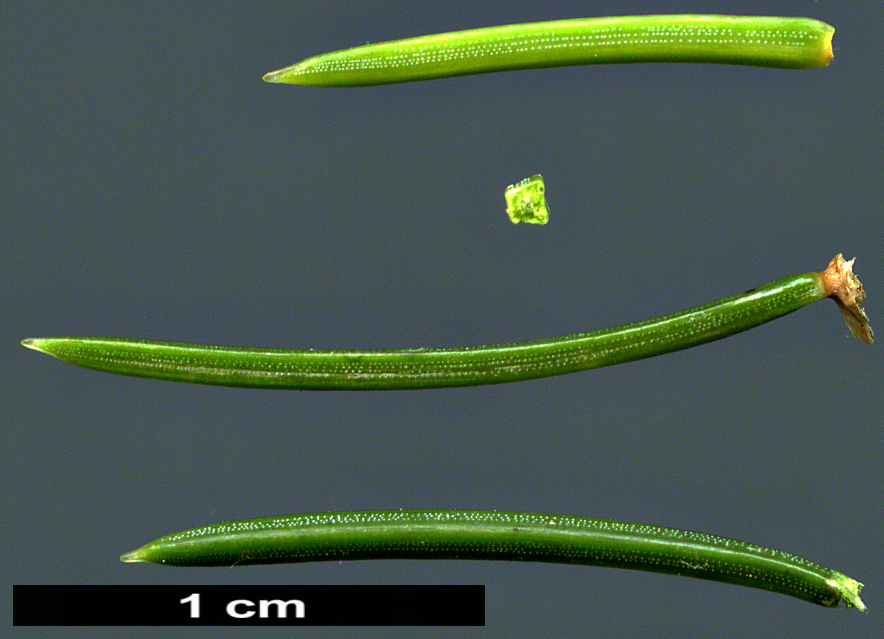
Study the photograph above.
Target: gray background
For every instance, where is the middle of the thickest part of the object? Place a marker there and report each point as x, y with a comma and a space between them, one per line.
153, 186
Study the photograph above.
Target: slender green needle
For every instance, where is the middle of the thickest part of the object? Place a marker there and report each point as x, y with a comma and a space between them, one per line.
505, 536
789, 43
469, 366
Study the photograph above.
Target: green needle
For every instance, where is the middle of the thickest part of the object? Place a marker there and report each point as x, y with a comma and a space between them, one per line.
789, 43
505, 536
469, 366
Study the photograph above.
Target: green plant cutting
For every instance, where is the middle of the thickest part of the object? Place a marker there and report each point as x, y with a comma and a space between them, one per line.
505, 536
788, 43
469, 366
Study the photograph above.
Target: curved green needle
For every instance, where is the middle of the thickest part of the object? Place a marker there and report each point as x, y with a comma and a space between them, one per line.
506, 536
789, 43
469, 366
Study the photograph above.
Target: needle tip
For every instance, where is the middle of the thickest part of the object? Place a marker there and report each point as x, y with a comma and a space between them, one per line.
32, 343
131, 557
275, 77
